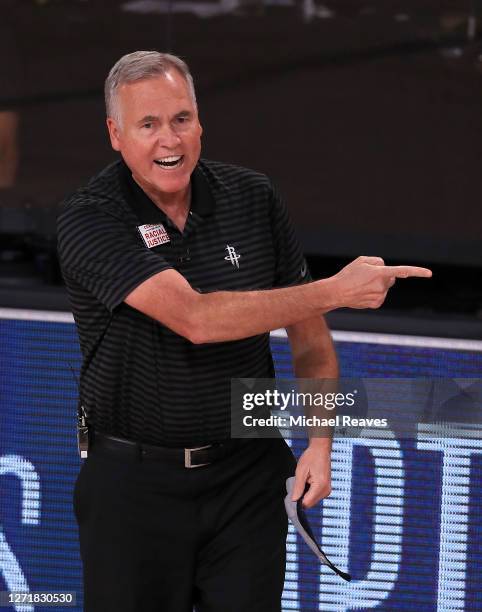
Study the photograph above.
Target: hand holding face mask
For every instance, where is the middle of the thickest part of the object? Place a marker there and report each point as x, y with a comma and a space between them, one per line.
297, 516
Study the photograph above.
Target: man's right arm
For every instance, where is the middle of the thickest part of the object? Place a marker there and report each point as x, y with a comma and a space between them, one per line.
231, 315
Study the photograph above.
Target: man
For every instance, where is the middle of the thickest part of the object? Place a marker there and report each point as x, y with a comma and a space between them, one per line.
177, 269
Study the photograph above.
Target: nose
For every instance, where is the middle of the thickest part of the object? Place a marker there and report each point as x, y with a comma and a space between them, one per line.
168, 137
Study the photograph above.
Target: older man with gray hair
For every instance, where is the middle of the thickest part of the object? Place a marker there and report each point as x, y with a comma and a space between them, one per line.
177, 268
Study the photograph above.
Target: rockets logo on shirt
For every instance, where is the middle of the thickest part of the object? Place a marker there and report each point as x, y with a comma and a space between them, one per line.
153, 235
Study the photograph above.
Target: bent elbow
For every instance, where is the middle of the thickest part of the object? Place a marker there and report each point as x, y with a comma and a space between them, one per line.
193, 321
196, 337
197, 333
195, 329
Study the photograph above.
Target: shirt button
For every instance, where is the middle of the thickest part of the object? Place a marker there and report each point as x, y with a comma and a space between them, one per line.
185, 257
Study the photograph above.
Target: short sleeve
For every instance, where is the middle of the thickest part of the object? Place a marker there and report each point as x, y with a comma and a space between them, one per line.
291, 266
99, 252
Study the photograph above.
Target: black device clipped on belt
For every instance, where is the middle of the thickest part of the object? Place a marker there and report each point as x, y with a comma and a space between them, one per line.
82, 433
82, 427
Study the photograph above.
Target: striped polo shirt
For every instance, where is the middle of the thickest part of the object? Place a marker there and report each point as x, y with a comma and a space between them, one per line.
140, 380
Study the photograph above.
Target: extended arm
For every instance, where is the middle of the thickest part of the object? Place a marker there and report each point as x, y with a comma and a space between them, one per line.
231, 315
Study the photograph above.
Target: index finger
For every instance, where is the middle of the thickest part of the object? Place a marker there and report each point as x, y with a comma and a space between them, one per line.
313, 495
406, 271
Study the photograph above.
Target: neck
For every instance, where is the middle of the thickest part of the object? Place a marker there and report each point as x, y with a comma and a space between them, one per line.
174, 205
167, 201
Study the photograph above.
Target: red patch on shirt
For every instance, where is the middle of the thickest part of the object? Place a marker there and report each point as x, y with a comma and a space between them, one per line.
153, 235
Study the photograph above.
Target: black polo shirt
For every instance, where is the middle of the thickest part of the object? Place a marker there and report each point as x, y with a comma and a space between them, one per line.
139, 379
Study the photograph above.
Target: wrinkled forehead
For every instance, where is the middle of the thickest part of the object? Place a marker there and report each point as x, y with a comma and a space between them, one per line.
165, 93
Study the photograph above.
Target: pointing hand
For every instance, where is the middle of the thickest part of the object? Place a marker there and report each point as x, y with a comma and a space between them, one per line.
364, 282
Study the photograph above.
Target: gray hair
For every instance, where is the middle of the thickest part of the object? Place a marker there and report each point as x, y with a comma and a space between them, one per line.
138, 66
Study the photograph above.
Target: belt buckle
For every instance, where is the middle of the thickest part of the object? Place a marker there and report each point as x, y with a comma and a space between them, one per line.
187, 457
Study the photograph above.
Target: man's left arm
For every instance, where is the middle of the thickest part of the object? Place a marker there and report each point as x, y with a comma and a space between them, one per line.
313, 357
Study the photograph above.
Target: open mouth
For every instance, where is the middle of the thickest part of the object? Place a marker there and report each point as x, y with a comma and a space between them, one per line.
171, 162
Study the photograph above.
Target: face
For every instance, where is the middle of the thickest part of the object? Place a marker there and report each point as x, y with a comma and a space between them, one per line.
159, 135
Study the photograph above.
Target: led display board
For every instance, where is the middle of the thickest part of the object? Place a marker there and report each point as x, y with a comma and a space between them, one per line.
404, 517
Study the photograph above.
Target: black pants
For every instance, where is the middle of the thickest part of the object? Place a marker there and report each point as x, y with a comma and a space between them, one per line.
154, 537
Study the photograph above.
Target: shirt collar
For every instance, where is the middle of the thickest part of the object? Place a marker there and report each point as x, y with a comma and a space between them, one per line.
202, 199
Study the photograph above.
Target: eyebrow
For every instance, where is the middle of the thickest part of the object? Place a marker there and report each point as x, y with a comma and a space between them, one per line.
151, 118
147, 119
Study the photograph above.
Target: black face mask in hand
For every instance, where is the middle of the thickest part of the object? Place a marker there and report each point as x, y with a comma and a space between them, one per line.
297, 516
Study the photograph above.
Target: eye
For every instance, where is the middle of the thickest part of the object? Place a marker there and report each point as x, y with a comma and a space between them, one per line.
147, 125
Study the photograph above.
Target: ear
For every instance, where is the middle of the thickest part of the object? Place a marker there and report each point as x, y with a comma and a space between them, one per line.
114, 133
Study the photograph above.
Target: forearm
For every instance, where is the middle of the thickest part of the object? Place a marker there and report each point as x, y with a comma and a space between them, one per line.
314, 358
314, 465
321, 436
316, 364
227, 315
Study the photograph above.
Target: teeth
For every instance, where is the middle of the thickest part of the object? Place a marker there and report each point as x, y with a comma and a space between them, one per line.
173, 159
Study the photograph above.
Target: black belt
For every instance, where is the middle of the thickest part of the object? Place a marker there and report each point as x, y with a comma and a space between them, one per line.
187, 457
